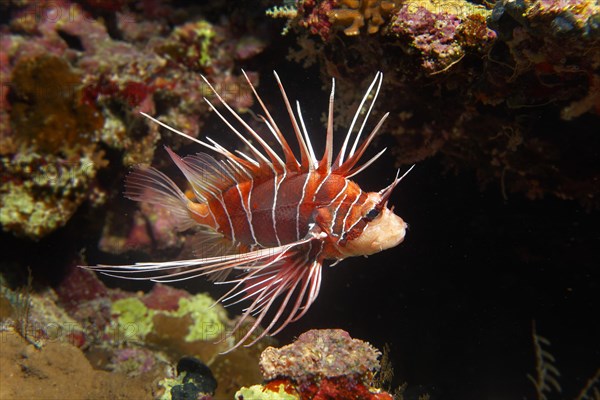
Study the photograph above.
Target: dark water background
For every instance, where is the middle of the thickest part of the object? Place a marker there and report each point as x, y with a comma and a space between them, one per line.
456, 301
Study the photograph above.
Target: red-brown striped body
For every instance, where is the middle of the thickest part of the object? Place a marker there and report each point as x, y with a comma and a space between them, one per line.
281, 210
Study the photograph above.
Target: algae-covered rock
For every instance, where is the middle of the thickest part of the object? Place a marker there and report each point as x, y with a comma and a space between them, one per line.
133, 318
141, 333
39, 193
507, 88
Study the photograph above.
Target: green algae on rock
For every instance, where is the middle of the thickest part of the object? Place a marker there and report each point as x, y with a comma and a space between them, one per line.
135, 319
40, 193
259, 392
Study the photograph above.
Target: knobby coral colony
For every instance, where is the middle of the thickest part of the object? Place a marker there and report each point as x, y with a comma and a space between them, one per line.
272, 220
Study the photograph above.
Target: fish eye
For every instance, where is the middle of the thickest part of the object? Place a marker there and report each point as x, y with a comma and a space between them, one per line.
372, 214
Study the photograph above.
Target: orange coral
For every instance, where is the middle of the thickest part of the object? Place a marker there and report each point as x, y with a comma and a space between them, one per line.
356, 13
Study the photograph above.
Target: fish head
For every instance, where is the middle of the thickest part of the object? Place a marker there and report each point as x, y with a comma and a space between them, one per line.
379, 229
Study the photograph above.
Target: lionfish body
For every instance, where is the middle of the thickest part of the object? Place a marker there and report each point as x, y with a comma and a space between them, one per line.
272, 221
280, 210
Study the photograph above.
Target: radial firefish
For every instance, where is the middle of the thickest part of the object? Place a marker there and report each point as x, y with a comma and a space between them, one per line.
266, 221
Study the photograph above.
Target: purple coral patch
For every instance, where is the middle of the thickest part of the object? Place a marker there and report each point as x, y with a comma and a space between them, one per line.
163, 297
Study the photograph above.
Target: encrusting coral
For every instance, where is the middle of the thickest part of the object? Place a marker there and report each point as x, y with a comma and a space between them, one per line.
325, 353
193, 316
47, 111
440, 36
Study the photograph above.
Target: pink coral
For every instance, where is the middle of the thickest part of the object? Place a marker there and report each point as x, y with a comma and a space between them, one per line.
432, 34
314, 16
163, 297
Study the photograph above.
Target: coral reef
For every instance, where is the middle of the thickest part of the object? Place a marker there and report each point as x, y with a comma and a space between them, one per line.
40, 193
135, 335
75, 76
189, 45
37, 317
151, 229
192, 328
326, 353
498, 88
46, 108
272, 392
164, 318
557, 44
320, 364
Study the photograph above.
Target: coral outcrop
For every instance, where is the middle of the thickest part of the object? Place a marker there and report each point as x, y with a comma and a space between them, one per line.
509, 88
75, 76
39, 194
440, 36
324, 353
320, 364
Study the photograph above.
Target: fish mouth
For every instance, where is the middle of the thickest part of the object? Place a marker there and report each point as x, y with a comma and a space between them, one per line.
384, 232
